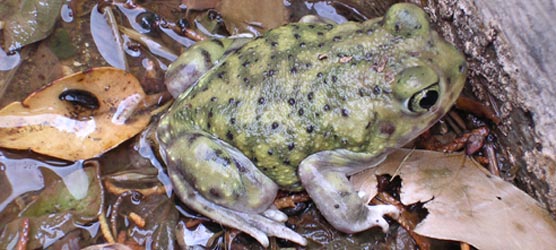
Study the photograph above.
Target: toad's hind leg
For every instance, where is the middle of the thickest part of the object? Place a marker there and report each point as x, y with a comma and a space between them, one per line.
218, 181
324, 177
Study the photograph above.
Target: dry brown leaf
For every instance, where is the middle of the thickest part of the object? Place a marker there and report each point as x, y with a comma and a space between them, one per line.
252, 15
50, 126
465, 202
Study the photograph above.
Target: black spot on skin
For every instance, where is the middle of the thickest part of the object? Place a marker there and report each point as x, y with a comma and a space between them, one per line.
293, 70
320, 45
461, 68
368, 56
308, 65
213, 99
246, 80
229, 135
449, 80
319, 75
362, 92
310, 96
221, 75
291, 101
273, 44
215, 193
296, 36
205, 89
377, 90
334, 78
336, 38
345, 112
275, 125
302, 45
326, 107
287, 162
359, 32
344, 141
320, 33
210, 114
329, 26
300, 112
370, 31
245, 64
193, 137
270, 152
397, 27
310, 129
499, 198
218, 42
206, 57
311, 26
368, 125
208, 125
231, 100
291, 146
336, 206
261, 100
239, 166
233, 120
290, 56
271, 72
387, 128
254, 159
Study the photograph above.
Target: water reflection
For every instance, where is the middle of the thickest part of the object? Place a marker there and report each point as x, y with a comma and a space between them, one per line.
20, 174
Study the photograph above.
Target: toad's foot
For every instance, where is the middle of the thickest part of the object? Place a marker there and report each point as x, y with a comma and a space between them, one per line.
256, 225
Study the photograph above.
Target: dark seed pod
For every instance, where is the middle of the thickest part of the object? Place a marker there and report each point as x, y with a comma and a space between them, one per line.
183, 24
81, 98
148, 20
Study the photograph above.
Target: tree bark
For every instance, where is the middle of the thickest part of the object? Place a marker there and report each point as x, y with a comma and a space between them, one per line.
510, 46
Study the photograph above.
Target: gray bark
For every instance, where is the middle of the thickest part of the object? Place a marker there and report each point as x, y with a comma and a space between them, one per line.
510, 46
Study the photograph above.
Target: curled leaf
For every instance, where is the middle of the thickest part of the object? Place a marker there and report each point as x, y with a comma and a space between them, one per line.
76, 117
465, 202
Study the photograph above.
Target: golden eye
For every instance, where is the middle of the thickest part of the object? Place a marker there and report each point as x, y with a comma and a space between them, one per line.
423, 100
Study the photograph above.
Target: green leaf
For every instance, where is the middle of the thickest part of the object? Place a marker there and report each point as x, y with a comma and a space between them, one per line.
30, 21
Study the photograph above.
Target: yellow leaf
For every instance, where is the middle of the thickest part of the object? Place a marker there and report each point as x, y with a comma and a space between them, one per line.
81, 129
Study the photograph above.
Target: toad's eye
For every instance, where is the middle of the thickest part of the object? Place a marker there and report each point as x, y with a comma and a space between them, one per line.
417, 89
423, 100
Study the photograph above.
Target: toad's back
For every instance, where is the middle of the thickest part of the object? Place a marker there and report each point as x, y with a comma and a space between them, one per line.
304, 88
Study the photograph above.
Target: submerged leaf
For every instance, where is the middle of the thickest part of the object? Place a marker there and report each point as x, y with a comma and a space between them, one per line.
106, 35
465, 203
49, 123
57, 212
31, 22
